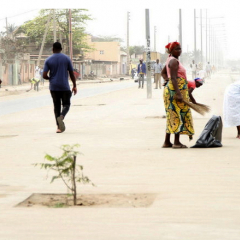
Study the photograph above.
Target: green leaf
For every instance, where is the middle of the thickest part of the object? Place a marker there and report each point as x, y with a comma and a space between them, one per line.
54, 178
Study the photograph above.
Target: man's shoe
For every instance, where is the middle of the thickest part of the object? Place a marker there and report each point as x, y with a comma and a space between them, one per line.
61, 124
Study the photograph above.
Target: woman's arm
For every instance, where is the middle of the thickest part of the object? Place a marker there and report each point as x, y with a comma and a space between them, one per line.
190, 90
173, 65
164, 75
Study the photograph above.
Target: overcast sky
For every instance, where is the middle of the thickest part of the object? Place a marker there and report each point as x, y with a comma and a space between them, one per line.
110, 18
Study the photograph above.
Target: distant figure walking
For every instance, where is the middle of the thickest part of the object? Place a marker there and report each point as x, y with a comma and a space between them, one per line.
141, 73
157, 67
208, 70
194, 69
132, 72
202, 74
41, 76
19, 79
59, 66
231, 106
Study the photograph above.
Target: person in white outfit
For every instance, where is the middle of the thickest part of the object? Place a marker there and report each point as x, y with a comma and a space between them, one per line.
231, 106
157, 67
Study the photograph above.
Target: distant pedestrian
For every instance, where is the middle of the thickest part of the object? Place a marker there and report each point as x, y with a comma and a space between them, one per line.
194, 69
208, 70
157, 68
141, 73
41, 76
132, 73
202, 74
19, 79
213, 69
59, 66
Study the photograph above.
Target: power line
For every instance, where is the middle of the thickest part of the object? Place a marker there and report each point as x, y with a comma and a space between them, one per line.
19, 14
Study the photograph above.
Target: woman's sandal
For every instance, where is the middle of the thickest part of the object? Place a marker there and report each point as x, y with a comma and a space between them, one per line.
179, 146
167, 146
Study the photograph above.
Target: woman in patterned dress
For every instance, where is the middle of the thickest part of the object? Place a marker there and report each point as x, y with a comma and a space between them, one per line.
179, 117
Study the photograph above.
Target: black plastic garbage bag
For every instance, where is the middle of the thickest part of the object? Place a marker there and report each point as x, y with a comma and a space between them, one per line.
211, 135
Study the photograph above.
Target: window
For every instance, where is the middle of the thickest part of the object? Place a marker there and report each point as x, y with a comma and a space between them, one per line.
101, 52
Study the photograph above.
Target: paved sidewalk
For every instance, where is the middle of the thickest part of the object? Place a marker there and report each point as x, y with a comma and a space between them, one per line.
121, 134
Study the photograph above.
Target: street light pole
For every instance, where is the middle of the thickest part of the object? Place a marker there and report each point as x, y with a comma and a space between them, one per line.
54, 26
155, 30
128, 55
180, 26
195, 40
209, 43
44, 38
206, 39
7, 27
201, 37
70, 35
148, 54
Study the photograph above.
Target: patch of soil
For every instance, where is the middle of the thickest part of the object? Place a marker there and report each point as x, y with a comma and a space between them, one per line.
90, 200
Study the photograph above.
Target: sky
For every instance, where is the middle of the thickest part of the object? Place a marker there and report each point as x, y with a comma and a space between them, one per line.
110, 18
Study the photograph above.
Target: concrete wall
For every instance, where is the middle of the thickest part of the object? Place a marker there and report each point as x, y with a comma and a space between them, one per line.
10, 73
105, 51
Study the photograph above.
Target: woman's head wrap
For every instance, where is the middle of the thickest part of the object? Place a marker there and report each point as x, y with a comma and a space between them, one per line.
198, 80
171, 45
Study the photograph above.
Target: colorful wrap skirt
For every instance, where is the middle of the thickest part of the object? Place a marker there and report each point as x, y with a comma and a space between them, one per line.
178, 114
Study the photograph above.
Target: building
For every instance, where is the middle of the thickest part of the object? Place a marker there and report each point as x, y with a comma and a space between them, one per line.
104, 60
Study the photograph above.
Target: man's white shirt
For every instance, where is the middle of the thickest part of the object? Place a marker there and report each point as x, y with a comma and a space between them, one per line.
157, 67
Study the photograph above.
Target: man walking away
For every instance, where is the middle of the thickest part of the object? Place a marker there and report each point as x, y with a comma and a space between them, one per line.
141, 72
59, 65
157, 67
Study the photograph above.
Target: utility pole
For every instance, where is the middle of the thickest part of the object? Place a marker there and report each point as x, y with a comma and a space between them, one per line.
201, 37
148, 55
128, 55
44, 38
180, 26
155, 30
70, 35
195, 40
209, 43
7, 27
206, 40
54, 26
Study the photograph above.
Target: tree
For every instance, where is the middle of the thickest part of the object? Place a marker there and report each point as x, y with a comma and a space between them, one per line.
35, 28
11, 28
106, 39
67, 169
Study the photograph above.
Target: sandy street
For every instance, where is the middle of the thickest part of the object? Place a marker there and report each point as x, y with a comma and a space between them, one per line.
121, 133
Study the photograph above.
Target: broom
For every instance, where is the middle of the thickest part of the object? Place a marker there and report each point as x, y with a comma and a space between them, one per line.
200, 108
